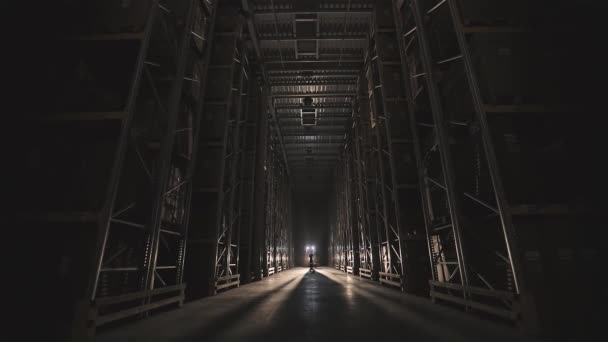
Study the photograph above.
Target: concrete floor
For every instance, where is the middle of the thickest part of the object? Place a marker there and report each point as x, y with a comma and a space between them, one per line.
296, 305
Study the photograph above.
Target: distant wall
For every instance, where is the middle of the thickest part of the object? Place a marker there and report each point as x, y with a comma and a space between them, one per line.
311, 225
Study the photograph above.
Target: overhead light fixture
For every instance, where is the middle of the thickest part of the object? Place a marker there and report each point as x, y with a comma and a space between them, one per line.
308, 113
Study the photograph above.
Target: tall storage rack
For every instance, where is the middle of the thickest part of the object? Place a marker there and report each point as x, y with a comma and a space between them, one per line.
285, 228
258, 242
214, 234
352, 222
344, 254
360, 201
277, 236
445, 134
361, 137
248, 177
349, 221
401, 229
489, 117
271, 212
337, 228
117, 141
341, 217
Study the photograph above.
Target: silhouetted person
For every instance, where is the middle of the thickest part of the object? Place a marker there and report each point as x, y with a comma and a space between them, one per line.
312, 264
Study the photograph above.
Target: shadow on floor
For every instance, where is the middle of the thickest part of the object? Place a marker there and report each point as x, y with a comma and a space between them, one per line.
314, 307
323, 308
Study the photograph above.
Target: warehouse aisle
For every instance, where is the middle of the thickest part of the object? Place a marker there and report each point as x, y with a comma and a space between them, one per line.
296, 305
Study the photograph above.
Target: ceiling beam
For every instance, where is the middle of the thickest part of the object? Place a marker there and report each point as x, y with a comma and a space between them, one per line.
309, 73
320, 115
295, 145
297, 122
321, 163
313, 61
322, 152
268, 11
303, 83
322, 106
339, 134
313, 129
312, 7
323, 171
318, 148
292, 95
314, 171
325, 38
314, 158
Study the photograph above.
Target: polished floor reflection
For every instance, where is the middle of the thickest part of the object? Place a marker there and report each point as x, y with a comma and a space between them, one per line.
323, 306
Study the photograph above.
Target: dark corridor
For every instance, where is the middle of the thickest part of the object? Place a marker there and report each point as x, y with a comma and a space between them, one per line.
311, 222
173, 164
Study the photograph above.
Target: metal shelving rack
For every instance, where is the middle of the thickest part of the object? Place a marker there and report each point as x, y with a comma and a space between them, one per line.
214, 243
344, 234
381, 99
271, 203
258, 242
460, 106
352, 226
283, 245
159, 141
398, 198
248, 177
278, 215
337, 229
361, 141
125, 122
489, 114
339, 234
227, 270
453, 225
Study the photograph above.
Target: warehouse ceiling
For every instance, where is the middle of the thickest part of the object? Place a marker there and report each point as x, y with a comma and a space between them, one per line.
312, 49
